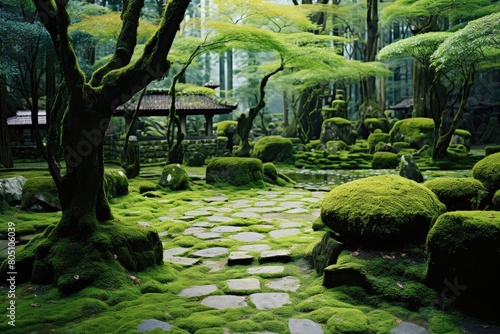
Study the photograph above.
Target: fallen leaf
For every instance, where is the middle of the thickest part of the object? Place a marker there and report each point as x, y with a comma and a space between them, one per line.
400, 285
34, 305
491, 216
398, 320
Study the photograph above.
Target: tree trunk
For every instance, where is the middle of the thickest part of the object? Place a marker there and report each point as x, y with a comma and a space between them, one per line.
421, 87
369, 84
5, 151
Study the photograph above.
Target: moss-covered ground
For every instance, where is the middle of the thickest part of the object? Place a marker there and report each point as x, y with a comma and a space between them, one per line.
124, 302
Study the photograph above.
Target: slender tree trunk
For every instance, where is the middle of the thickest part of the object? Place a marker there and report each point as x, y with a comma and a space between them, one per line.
5, 152
369, 84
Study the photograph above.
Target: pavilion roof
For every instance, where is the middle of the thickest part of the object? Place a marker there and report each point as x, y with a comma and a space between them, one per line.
23, 117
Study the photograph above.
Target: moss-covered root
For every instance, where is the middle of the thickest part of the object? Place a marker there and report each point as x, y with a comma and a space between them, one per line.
103, 259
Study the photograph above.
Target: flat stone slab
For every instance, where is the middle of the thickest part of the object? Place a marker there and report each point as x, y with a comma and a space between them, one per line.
220, 219
150, 324
246, 214
265, 270
215, 266
239, 257
285, 225
203, 224
302, 326
185, 261
288, 283
226, 229
197, 213
265, 203
409, 328
144, 224
215, 199
174, 251
284, 233
269, 300
264, 209
193, 230
248, 236
207, 235
279, 255
243, 284
210, 252
291, 204
198, 290
254, 248
297, 211
223, 302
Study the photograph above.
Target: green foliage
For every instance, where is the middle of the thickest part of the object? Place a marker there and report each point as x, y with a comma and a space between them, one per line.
487, 170
384, 160
273, 149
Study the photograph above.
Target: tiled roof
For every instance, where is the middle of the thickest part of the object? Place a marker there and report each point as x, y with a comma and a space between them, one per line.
158, 103
404, 104
23, 117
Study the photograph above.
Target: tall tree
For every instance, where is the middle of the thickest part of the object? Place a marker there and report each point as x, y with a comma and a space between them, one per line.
88, 106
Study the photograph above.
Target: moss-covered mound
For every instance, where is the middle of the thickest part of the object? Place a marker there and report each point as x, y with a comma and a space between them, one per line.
496, 200
271, 175
40, 194
235, 171
416, 131
383, 160
487, 170
174, 177
274, 149
115, 183
457, 193
463, 259
377, 137
382, 212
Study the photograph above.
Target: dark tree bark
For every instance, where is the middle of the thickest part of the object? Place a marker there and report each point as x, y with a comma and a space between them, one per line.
368, 84
88, 107
5, 151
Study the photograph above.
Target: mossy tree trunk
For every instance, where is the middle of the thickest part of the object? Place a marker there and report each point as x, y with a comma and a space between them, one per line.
87, 107
245, 123
5, 151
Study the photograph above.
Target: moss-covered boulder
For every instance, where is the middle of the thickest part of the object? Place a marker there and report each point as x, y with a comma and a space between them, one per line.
40, 194
228, 129
115, 183
377, 137
174, 177
337, 128
417, 131
463, 260
487, 170
373, 124
381, 212
385, 160
462, 137
334, 146
273, 176
274, 149
408, 168
458, 193
235, 171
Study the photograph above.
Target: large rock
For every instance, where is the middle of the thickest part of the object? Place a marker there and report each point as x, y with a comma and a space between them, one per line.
487, 170
417, 131
12, 189
115, 183
274, 149
235, 171
458, 193
381, 212
463, 260
409, 169
174, 177
337, 128
40, 194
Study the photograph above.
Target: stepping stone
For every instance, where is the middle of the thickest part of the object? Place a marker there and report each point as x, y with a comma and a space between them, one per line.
215, 266
265, 270
288, 283
226, 229
290, 224
311, 199
197, 213
242, 258
215, 199
198, 290
269, 300
246, 214
409, 328
243, 284
283, 233
297, 211
291, 204
203, 224
223, 302
150, 324
210, 252
269, 193
280, 255
248, 236
162, 234
174, 251
193, 230
254, 248
207, 235
185, 261
265, 203
220, 219
144, 224
301, 326
264, 209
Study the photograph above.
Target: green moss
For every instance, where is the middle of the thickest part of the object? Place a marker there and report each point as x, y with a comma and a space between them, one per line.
43, 187
339, 121
115, 183
488, 150
274, 149
457, 193
235, 171
174, 177
385, 160
146, 186
271, 175
381, 211
374, 124
226, 128
463, 133
487, 170
416, 131
348, 320
377, 137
